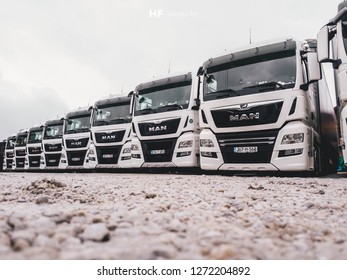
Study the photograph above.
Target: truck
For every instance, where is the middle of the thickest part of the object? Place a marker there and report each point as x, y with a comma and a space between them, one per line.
9, 152
166, 123
111, 134
20, 150
34, 148
52, 144
266, 107
2, 154
332, 48
76, 139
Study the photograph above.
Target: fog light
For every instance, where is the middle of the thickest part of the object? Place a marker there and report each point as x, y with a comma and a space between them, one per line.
136, 156
209, 154
183, 154
125, 158
291, 152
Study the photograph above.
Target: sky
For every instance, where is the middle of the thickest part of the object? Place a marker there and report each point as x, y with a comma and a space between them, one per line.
58, 55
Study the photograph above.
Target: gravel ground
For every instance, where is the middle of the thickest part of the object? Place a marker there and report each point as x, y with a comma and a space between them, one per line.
171, 216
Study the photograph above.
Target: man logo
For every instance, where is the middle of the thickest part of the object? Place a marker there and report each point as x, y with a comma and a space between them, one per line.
108, 137
157, 128
243, 117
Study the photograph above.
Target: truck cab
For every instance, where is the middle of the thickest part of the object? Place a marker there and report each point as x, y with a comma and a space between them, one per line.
111, 131
76, 139
20, 150
9, 152
332, 48
34, 148
266, 107
165, 123
52, 144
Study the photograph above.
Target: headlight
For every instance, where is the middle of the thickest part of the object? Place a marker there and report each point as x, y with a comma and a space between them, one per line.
91, 152
206, 143
126, 151
293, 138
63, 155
185, 144
134, 147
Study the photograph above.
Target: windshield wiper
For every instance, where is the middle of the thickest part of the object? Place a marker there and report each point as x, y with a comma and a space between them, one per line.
118, 120
274, 84
100, 122
172, 106
146, 111
228, 92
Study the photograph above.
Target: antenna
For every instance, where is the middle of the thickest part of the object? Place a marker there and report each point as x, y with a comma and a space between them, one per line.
250, 35
169, 67
121, 91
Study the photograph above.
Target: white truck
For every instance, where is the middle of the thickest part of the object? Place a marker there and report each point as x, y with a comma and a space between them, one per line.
111, 132
9, 152
52, 144
20, 150
266, 107
165, 123
332, 47
76, 139
34, 148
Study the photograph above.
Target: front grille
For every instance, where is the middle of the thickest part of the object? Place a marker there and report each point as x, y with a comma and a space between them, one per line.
103, 137
19, 162
9, 163
165, 127
262, 114
34, 150
53, 147
9, 154
264, 142
108, 155
20, 153
52, 160
77, 143
158, 150
76, 158
34, 161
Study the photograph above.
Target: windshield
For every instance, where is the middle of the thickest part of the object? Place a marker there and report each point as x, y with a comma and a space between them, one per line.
164, 98
35, 136
10, 143
77, 124
112, 114
344, 31
265, 73
53, 131
21, 140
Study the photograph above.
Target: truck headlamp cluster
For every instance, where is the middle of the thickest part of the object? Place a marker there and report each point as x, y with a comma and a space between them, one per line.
206, 143
127, 151
185, 144
134, 147
293, 138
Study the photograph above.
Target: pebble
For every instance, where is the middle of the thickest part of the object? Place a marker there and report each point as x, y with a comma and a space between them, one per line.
163, 216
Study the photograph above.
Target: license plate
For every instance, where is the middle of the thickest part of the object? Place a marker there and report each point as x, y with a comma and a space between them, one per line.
107, 156
75, 159
52, 160
245, 150
157, 152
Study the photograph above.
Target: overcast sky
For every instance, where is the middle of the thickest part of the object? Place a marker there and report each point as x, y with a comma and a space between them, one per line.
56, 55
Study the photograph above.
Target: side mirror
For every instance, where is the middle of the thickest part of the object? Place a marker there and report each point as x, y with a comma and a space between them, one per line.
323, 44
314, 69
